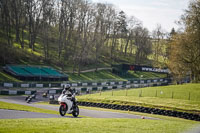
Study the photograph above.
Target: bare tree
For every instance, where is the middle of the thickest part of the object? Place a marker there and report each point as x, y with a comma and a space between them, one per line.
143, 44
159, 38
83, 33
132, 22
34, 12
6, 16
47, 18
102, 29
122, 28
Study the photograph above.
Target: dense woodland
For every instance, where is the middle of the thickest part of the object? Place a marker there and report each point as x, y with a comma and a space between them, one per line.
83, 33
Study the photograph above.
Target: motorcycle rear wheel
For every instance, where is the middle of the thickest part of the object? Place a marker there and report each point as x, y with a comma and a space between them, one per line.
62, 110
75, 112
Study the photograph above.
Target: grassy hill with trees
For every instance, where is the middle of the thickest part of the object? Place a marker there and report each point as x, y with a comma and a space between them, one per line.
78, 35
92, 34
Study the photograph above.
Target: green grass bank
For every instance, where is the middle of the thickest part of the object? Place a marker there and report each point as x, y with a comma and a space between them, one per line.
92, 125
184, 98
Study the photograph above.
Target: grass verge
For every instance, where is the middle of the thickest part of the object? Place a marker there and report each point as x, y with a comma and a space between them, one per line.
5, 77
95, 125
91, 125
147, 98
12, 106
106, 75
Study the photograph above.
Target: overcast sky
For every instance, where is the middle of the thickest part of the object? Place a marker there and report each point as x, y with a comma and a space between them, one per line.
152, 12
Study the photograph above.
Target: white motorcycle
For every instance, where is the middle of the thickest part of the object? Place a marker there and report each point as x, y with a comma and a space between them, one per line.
66, 105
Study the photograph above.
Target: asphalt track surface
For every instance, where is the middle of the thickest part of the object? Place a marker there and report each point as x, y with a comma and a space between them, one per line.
12, 114
16, 114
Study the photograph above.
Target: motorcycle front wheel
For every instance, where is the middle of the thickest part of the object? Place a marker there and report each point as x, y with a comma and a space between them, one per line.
75, 112
62, 110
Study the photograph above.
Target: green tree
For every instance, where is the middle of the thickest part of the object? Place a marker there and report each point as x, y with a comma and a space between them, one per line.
185, 47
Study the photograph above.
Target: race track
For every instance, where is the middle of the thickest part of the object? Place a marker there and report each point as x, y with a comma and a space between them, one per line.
16, 114
83, 112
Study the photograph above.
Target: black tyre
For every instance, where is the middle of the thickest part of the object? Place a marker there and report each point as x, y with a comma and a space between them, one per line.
27, 98
62, 110
75, 112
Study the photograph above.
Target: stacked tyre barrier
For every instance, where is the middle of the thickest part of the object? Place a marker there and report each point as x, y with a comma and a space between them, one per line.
53, 102
171, 113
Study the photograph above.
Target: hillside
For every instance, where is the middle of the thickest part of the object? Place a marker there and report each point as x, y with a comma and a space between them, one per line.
102, 75
71, 44
108, 75
47, 53
15, 54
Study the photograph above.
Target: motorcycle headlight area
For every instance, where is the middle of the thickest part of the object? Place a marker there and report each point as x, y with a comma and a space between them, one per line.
69, 98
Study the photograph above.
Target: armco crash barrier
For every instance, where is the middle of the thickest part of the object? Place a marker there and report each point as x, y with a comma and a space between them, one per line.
15, 92
154, 82
103, 88
178, 114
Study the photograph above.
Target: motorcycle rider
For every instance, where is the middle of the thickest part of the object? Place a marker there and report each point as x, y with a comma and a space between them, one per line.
67, 89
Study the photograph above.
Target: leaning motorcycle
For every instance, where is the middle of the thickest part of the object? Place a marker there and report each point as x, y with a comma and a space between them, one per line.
67, 106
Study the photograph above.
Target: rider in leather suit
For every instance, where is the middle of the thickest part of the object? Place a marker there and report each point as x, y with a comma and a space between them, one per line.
68, 89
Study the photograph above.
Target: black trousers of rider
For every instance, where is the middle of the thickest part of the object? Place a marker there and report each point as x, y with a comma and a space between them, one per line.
73, 100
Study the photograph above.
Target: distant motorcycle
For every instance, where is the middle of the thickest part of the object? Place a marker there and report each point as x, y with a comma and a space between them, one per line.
67, 105
29, 99
44, 95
